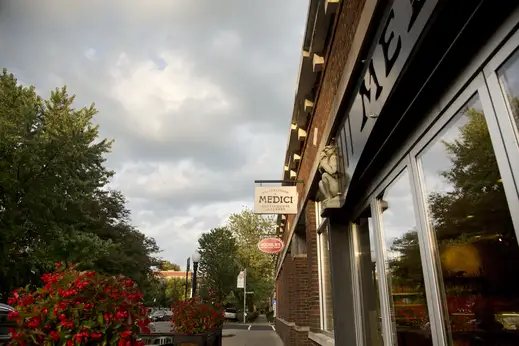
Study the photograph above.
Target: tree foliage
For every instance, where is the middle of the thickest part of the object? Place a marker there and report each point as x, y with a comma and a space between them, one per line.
473, 210
475, 178
218, 266
167, 265
176, 289
55, 204
248, 229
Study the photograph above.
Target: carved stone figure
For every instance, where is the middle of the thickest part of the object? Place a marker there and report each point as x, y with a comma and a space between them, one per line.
329, 184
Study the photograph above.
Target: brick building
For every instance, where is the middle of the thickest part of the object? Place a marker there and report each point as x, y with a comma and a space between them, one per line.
413, 239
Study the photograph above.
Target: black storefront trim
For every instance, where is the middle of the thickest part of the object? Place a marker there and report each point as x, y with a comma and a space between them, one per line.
454, 36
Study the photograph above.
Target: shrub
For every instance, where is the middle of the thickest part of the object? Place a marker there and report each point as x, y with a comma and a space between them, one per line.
195, 316
78, 308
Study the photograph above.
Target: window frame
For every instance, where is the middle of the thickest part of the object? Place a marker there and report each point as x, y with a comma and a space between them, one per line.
321, 224
479, 78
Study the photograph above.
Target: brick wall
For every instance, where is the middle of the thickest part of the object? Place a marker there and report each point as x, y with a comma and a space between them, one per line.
335, 62
345, 28
298, 283
298, 290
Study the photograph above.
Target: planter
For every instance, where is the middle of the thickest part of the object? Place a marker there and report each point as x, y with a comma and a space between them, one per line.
213, 338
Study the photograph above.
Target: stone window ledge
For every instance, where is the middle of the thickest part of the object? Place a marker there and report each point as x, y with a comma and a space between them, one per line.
321, 339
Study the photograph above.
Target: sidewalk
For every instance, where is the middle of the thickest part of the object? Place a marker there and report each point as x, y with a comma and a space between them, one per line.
251, 338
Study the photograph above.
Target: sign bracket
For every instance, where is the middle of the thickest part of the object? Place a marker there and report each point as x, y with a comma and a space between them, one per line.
261, 182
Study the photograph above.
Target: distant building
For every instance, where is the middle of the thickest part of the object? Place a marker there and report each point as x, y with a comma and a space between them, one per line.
172, 274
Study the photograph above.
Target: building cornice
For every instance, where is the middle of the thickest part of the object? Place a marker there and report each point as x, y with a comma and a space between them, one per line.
351, 62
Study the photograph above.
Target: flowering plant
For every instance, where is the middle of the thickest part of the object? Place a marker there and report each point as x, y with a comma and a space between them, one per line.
78, 308
195, 316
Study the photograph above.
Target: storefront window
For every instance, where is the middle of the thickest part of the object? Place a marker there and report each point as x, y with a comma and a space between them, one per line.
368, 281
509, 78
476, 243
409, 313
325, 280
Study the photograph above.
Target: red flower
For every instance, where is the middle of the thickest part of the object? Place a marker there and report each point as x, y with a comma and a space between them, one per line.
55, 335
78, 307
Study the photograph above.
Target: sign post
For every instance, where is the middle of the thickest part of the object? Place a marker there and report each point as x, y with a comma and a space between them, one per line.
242, 283
244, 295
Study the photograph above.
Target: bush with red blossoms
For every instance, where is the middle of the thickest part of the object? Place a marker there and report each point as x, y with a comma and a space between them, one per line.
195, 316
78, 308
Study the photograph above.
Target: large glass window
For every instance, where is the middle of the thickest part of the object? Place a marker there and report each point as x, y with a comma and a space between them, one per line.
325, 281
368, 281
476, 245
408, 304
509, 79
325, 275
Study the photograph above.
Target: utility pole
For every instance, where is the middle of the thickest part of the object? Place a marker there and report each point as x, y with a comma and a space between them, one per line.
187, 276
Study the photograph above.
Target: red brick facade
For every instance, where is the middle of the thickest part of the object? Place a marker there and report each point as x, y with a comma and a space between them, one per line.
298, 304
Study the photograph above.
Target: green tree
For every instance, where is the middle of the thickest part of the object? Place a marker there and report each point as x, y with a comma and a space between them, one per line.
54, 200
248, 229
167, 265
473, 211
475, 178
176, 289
218, 265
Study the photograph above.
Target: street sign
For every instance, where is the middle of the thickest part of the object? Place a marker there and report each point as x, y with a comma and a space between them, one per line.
270, 245
241, 280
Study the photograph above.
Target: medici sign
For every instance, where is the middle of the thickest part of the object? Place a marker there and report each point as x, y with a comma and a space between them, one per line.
275, 200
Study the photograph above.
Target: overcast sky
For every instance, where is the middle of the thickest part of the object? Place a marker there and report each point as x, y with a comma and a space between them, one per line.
197, 95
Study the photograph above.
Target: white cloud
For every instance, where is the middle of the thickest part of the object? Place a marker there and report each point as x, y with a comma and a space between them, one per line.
197, 95
90, 53
150, 95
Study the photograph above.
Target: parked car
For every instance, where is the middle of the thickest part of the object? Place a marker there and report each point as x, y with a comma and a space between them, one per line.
231, 314
4, 324
161, 315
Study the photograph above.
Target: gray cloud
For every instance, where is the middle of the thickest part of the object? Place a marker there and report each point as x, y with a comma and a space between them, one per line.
196, 94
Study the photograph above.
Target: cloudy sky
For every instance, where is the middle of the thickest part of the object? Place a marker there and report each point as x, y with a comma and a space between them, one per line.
197, 95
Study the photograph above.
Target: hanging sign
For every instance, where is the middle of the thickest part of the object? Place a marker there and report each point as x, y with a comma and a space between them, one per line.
241, 280
275, 200
270, 245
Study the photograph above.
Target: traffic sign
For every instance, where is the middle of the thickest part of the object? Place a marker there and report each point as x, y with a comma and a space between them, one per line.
241, 280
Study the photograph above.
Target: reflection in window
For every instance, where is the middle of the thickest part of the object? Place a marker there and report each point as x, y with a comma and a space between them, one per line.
477, 247
509, 78
325, 289
403, 264
367, 269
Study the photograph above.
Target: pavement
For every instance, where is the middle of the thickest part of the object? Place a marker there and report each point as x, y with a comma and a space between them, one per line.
243, 337
259, 333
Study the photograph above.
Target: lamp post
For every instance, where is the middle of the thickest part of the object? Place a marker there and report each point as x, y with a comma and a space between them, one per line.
195, 259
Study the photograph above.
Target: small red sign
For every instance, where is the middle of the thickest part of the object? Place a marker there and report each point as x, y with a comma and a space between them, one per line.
270, 245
